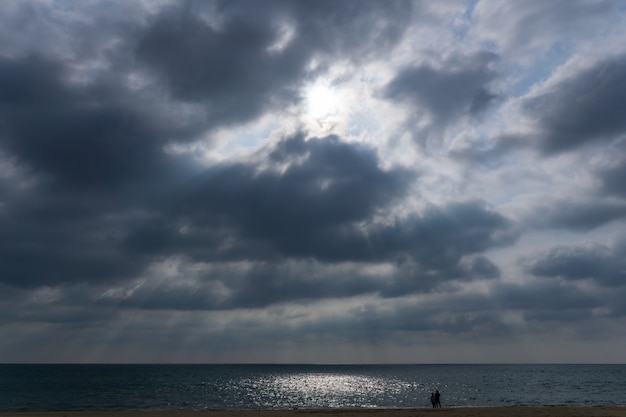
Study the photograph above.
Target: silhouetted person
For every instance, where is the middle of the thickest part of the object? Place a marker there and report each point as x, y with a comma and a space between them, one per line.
437, 399
433, 401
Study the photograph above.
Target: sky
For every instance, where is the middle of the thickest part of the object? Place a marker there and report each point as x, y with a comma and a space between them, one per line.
321, 181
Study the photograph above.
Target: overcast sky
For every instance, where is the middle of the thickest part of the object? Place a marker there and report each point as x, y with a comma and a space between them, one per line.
313, 181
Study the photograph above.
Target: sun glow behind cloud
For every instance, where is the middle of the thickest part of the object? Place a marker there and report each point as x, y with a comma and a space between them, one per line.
324, 105
322, 100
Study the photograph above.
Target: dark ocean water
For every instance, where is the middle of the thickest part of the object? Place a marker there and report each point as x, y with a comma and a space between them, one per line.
236, 387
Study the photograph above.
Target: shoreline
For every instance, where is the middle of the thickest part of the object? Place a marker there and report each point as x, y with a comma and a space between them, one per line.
512, 411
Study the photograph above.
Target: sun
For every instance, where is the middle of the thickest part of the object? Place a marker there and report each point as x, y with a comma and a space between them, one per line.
321, 100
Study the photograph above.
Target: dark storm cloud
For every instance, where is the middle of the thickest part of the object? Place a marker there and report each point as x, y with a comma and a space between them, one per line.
580, 109
260, 284
577, 214
56, 238
613, 179
326, 185
102, 134
79, 145
533, 305
546, 295
92, 158
602, 264
93, 148
442, 235
588, 107
530, 26
451, 312
318, 205
463, 315
355, 28
507, 309
257, 285
480, 267
243, 67
490, 154
459, 88
323, 204
229, 69
77, 136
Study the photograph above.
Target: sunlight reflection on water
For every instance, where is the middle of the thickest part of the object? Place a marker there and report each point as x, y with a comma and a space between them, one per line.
328, 390
322, 384
322, 390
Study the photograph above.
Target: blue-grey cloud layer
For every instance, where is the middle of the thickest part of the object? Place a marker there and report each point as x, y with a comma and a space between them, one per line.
104, 225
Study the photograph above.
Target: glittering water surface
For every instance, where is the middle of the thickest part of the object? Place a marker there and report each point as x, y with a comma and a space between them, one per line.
230, 387
324, 390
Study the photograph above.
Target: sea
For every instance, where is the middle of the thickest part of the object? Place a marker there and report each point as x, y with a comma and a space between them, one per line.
278, 387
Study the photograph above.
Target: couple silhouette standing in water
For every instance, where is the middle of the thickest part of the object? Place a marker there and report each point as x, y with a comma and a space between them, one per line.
435, 399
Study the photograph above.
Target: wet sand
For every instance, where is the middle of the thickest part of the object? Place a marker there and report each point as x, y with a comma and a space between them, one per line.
420, 412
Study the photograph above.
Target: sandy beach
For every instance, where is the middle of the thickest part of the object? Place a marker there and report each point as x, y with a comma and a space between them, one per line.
422, 412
